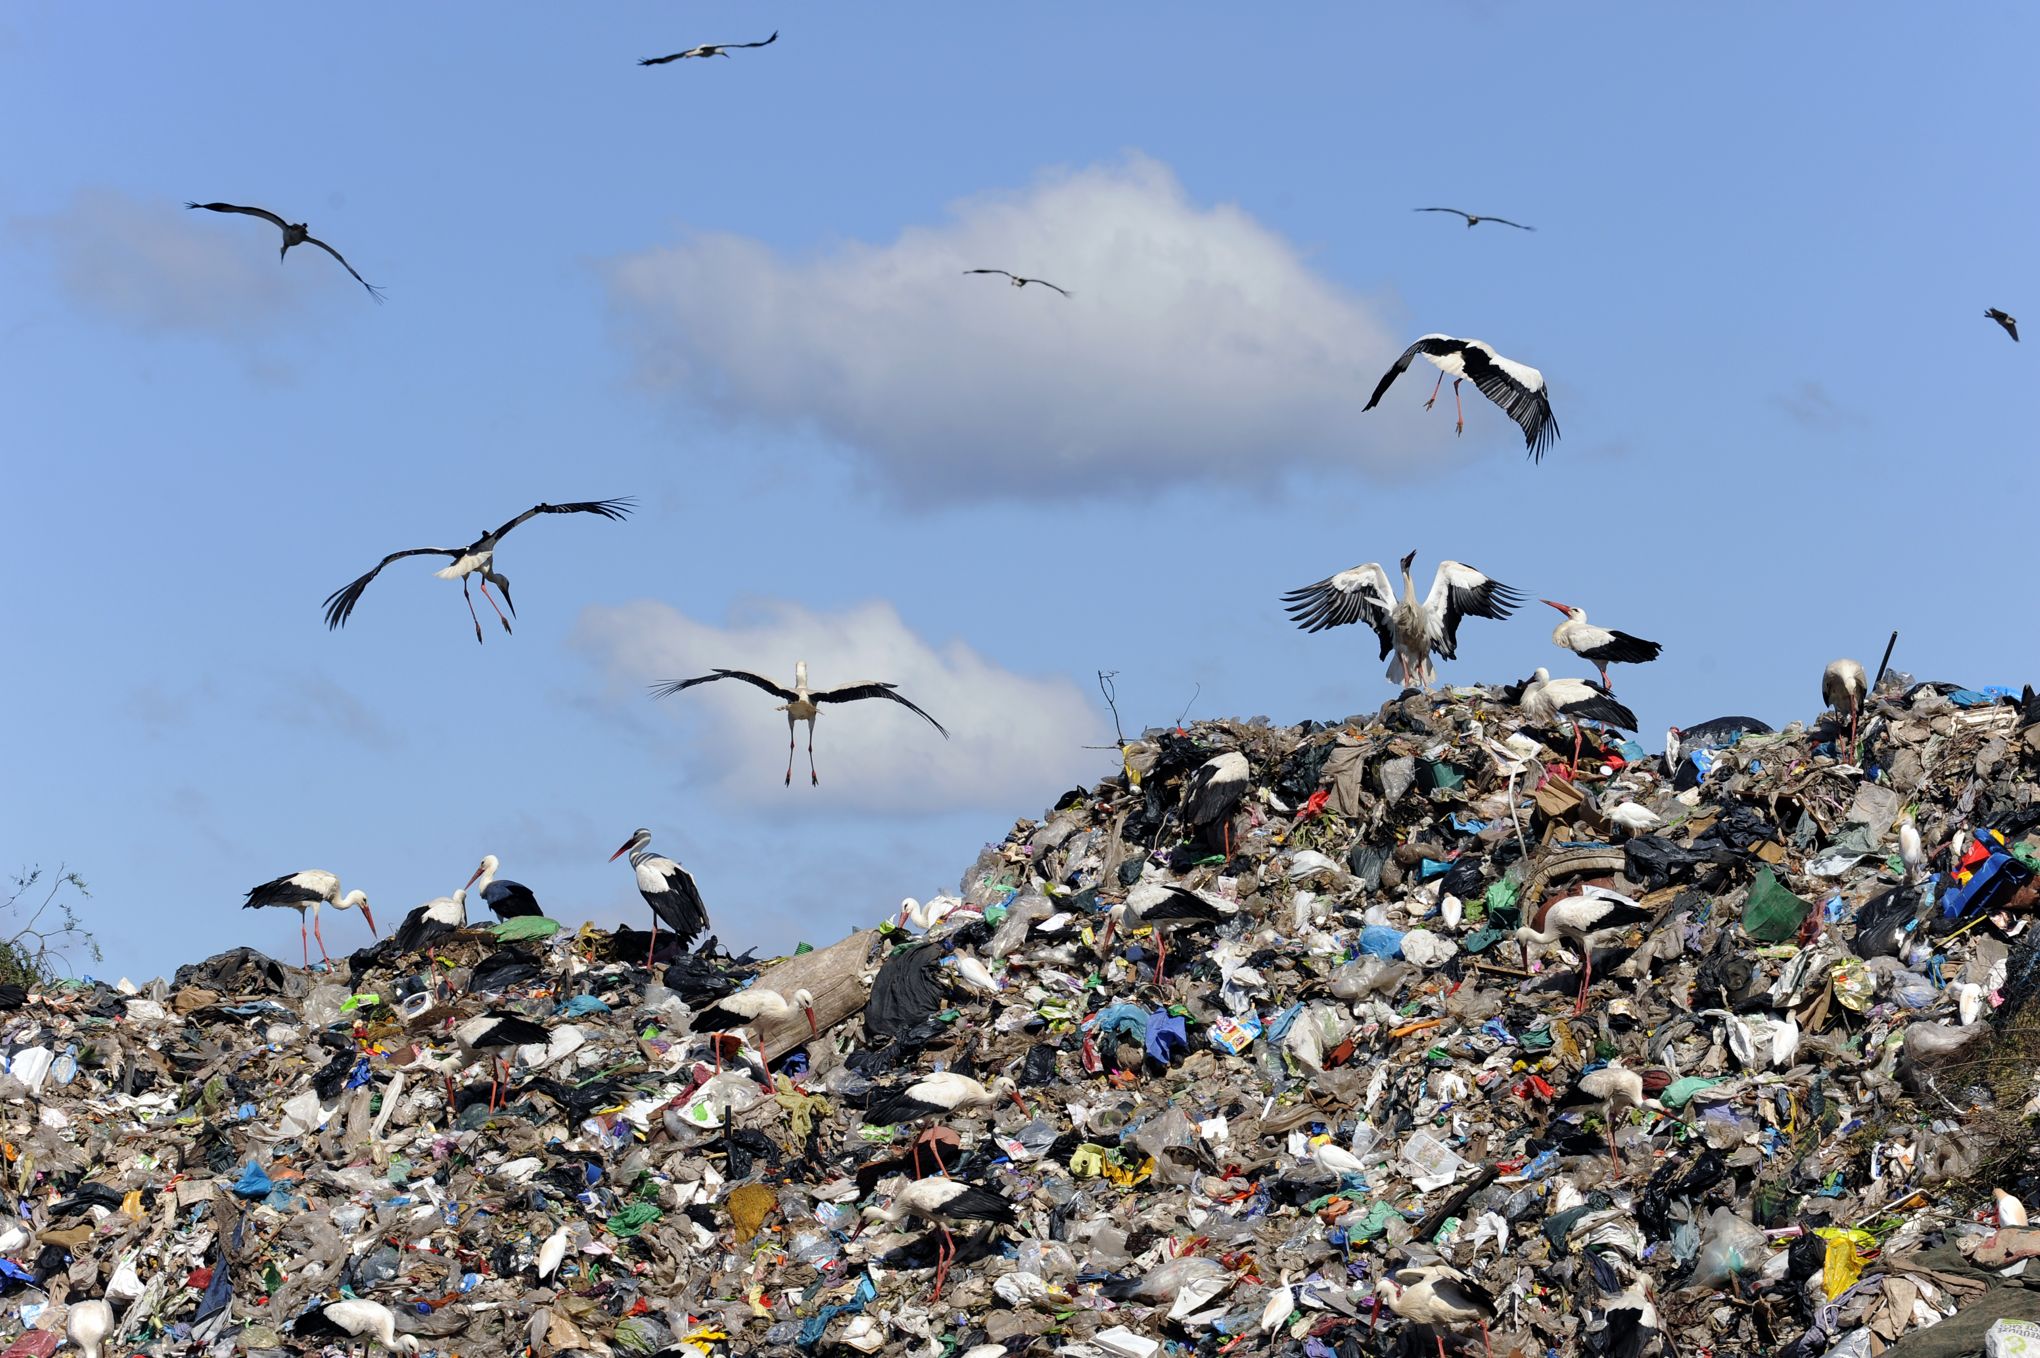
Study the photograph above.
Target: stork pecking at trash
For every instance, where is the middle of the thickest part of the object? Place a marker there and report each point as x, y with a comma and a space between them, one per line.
1843, 687
1579, 920
942, 1203
1166, 910
1415, 629
801, 703
308, 890
1602, 645
1212, 793
1614, 1090
1441, 1297
354, 1318
1553, 702
1516, 387
747, 1007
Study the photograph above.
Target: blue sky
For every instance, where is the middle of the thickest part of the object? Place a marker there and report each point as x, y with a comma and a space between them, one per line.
1766, 236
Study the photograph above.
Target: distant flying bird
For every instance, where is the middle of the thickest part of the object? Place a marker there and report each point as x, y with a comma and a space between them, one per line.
2010, 323
294, 233
478, 556
1843, 687
1516, 387
1413, 629
710, 49
506, 899
1020, 282
1551, 702
1599, 644
802, 703
1472, 220
668, 888
308, 890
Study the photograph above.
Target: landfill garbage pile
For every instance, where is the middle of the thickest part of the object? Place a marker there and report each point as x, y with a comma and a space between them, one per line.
1395, 1035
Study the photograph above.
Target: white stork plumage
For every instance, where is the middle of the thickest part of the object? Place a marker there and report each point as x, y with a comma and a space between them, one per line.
1580, 920
709, 49
308, 890
552, 1252
668, 888
1614, 1090
1911, 852
942, 1203
1020, 282
434, 919
1516, 387
1166, 910
1553, 702
802, 703
939, 1095
1213, 791
294, 233
1604, 646
478, 557
87, 1325
493, 1033
506, 899
1414, 629
1439, 1296
746, 1007
355, 1318
925, 915
1843, 687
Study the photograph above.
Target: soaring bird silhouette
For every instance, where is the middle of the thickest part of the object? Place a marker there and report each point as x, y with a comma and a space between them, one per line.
1020, 282
709, 49
477, 557
801, 703
296, 233
1472, 220
2010, 323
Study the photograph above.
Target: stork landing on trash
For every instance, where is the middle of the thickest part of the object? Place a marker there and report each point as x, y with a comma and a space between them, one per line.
1414, 629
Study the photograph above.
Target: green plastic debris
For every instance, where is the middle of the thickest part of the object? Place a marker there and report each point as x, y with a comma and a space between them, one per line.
519, 928
1772, 914
1681, 1092
634, 1218
1374, 1223
1500, 904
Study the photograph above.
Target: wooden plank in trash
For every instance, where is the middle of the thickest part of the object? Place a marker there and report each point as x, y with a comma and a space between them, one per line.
833, 975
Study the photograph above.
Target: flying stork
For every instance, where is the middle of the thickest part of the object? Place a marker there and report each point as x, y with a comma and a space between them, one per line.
801, 703
1843, 687
1566, 702
1020, 282
2010, 323
1516, 387
308, 890
1414, 630
351, 1319
668, 888
1601, 645
710, 49
478, 556
1439, 1296
942, 1203
1472, 220
507, 899
1580, 920
294, 233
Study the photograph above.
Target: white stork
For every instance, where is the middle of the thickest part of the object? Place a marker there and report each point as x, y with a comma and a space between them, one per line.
87, 1325
1439, 1296
710, 49
294, 233
505, 898
746, 1007
434, 919
1473, 220
801, 703
2009, 322
1166, 910
939, 1095
1602, 645
925, 915
308, 890
351, 1319
668, 888
1413, 629
491, 1033
1843, 687
1567, 702
1517, 388
551, 1253
942, 1203
1615, 1090
1020, 282
478, 557
1579, 920
1213, 791
1910, 851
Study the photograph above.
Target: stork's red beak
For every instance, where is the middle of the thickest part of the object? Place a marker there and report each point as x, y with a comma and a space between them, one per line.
1022, 1103
478, 877
814, 1029
367, 915
624, 850
1560, 607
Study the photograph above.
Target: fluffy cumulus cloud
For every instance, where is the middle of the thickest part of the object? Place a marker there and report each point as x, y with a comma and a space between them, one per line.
1014, 739
1197, 343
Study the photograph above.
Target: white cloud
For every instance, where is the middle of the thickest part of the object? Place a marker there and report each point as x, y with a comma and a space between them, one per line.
1197, 344
1014, 740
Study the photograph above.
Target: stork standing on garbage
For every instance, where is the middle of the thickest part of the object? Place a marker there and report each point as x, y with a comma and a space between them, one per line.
1602, 645
1843, 687
1415, 629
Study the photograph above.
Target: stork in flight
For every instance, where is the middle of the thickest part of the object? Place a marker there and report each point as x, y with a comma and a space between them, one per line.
1601, 645
2009, 322
1414, 628
1516, 387
801, 703
294, 233
1472, 220
709, 49
1020, 282
478, 556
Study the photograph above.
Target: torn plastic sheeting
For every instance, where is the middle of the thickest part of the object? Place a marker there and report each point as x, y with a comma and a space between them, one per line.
816, 1325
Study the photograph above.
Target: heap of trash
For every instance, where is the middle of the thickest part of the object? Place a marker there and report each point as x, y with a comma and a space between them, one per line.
1399, 1034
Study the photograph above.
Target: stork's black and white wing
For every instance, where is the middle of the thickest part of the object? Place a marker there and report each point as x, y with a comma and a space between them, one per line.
670, 891
2011, 325
1453, 210
1182, 907
1046, 284
1600, 706
373, 290
1518, 389
340, 603
264, 213
779, 691
1001, 272
767, 43
609, 509
1456, 591
1427, 345
871, 688
1362, 594
1504, 221
969, 1202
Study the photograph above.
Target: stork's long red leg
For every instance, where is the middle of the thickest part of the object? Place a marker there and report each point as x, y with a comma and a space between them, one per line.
471, 609
1161, 954
943, 1254
492, 603
1457, 408
652, 951
814, 779
789, 751
1576, 749
321, 939
1486, 1342
1433, 400
1586, 974
304, 943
